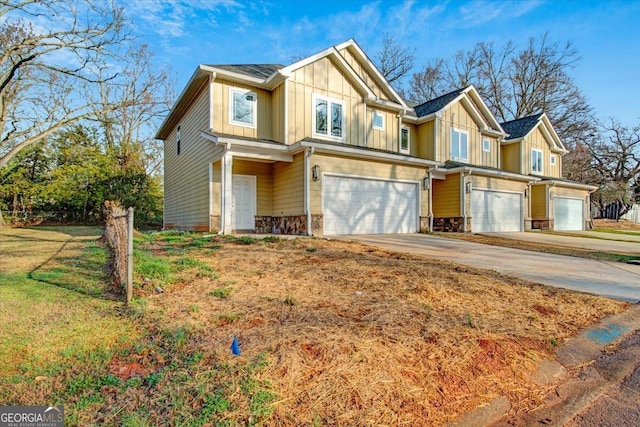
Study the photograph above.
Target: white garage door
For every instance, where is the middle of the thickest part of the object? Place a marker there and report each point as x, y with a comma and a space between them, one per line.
568, 214
366, 206
493, 211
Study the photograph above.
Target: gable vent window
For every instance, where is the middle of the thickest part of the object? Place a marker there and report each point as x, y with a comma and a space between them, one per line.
553, 160
178, 139
536, 161
378, 121
242, 107
486, 145
328, 118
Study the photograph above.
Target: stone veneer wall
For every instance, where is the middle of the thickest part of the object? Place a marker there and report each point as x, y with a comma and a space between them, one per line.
449, 224
541, 224
424, 224
264, 224
289, 224
215, 223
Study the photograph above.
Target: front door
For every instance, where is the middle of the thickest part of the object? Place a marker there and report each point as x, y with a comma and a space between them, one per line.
243, 202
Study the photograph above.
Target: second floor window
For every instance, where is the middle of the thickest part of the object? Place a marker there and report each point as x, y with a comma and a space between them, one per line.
536, 160
459, 144
553, 160
242, 107
404, 140
328, 118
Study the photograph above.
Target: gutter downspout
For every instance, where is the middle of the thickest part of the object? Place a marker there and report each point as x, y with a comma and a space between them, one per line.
223, 196
307, 196
529, 205
464, 197
430, 175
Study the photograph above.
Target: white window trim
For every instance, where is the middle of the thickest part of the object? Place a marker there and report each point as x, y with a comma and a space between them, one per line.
373, 120
536, 150
451, 142
552, 160
328, 136
241, 91
408, 149
486, 145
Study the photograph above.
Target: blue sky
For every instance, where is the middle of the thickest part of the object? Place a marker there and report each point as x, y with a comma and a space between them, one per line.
606, 33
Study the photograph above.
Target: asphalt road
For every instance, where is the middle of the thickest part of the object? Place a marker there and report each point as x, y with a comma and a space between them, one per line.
610, 279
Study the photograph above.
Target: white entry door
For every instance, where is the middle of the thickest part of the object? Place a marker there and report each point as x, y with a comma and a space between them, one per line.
243, 202
353, 205
495, 211
568, 214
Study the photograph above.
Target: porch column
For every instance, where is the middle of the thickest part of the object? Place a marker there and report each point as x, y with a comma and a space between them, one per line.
227, 196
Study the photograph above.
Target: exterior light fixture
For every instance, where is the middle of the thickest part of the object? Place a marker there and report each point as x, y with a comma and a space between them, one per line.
551, 195
526, 193
468, 187
315, 173
425, 183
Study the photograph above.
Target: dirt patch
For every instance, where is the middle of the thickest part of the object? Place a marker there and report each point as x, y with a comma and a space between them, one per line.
355, 335
622, 224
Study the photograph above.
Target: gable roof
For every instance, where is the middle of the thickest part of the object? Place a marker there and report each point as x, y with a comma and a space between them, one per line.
473, 103
518, 129
437, 104
259, 71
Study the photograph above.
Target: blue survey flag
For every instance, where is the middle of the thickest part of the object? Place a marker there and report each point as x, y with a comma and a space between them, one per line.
235, 347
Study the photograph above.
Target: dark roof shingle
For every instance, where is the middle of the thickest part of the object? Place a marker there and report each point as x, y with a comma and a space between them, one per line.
520, 127
436, 104
261, 71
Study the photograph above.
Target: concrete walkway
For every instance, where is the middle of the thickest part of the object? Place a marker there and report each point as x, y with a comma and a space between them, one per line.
631, 246
610, 279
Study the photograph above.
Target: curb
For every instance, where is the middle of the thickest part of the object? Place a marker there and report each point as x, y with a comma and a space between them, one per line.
574, 395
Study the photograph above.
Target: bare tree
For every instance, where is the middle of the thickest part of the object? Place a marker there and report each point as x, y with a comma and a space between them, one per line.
394, 60
615, 162
144, 95
50, 55
516, 83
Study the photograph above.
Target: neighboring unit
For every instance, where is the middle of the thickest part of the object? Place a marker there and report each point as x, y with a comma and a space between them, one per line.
326, 146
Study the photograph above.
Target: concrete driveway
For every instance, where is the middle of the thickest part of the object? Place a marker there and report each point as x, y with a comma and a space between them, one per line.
606, 242
610, 279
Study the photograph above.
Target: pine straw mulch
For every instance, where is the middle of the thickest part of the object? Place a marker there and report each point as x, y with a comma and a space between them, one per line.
360, 336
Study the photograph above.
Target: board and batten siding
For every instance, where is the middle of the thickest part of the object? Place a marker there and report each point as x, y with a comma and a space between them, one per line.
538, 202
322, 77
511, 157
536, 139
456, 116
221, 119
446, 196
186, 176
364, 74
288, 187
363, 168
387, 139
264, 182
278, 113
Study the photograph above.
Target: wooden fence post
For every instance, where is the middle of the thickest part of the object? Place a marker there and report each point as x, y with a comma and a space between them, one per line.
129, 254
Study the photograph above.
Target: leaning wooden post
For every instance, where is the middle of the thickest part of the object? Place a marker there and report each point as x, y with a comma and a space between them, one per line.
129, 254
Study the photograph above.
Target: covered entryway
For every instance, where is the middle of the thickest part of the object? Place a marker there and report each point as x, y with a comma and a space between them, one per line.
568, 214
494, 211
353, 205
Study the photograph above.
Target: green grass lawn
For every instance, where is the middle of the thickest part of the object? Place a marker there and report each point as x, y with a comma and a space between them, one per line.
63, 340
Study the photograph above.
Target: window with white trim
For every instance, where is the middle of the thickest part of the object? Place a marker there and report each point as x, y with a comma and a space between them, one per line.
486, 145
178, 139
378, 120
459, 144
405, 141
553, 160
536, 160
328, 118
242, 107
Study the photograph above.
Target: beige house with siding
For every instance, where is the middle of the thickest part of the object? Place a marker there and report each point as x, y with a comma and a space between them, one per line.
533, 148
326, 146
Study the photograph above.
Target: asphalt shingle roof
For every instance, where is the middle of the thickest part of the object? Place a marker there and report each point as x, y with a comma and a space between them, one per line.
520, 127
436, 104
261, 71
